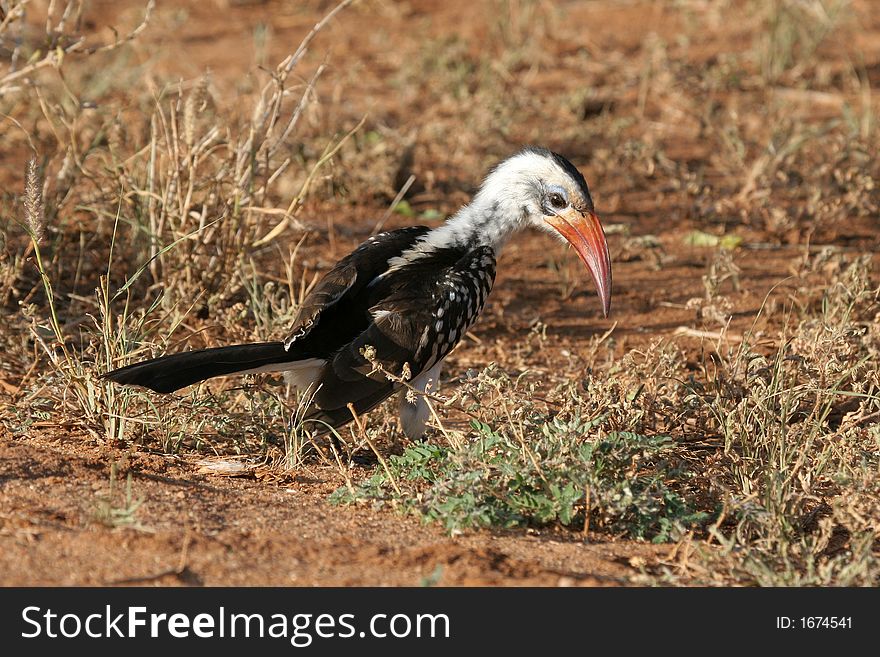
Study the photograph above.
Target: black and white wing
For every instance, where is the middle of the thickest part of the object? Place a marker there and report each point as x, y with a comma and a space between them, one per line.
420, 312
339, 302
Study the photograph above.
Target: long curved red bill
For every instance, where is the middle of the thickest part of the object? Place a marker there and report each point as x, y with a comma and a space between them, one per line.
584, 232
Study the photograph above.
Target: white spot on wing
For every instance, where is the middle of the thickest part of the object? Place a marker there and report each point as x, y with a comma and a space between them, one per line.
423, 341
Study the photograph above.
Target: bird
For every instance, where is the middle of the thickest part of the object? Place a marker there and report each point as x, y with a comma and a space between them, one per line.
384, 317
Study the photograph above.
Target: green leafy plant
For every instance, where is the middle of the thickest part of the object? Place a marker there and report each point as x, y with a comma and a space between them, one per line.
568, 473
118, 508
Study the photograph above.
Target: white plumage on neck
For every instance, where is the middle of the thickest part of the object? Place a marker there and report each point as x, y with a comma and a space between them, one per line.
506, 202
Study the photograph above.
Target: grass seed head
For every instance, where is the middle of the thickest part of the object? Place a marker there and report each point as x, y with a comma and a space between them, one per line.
34, 212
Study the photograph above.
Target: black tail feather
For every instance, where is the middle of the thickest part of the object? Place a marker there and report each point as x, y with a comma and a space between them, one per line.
170, 373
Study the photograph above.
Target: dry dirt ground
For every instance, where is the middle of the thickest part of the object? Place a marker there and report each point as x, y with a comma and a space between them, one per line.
195, 528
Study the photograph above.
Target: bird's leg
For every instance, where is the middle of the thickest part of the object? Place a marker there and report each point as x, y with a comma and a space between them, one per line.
337, 444
414, 414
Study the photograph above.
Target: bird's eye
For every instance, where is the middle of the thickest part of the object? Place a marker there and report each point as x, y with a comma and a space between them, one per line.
557, 201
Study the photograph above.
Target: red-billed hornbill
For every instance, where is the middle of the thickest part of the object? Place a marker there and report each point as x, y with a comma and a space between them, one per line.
410, 294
